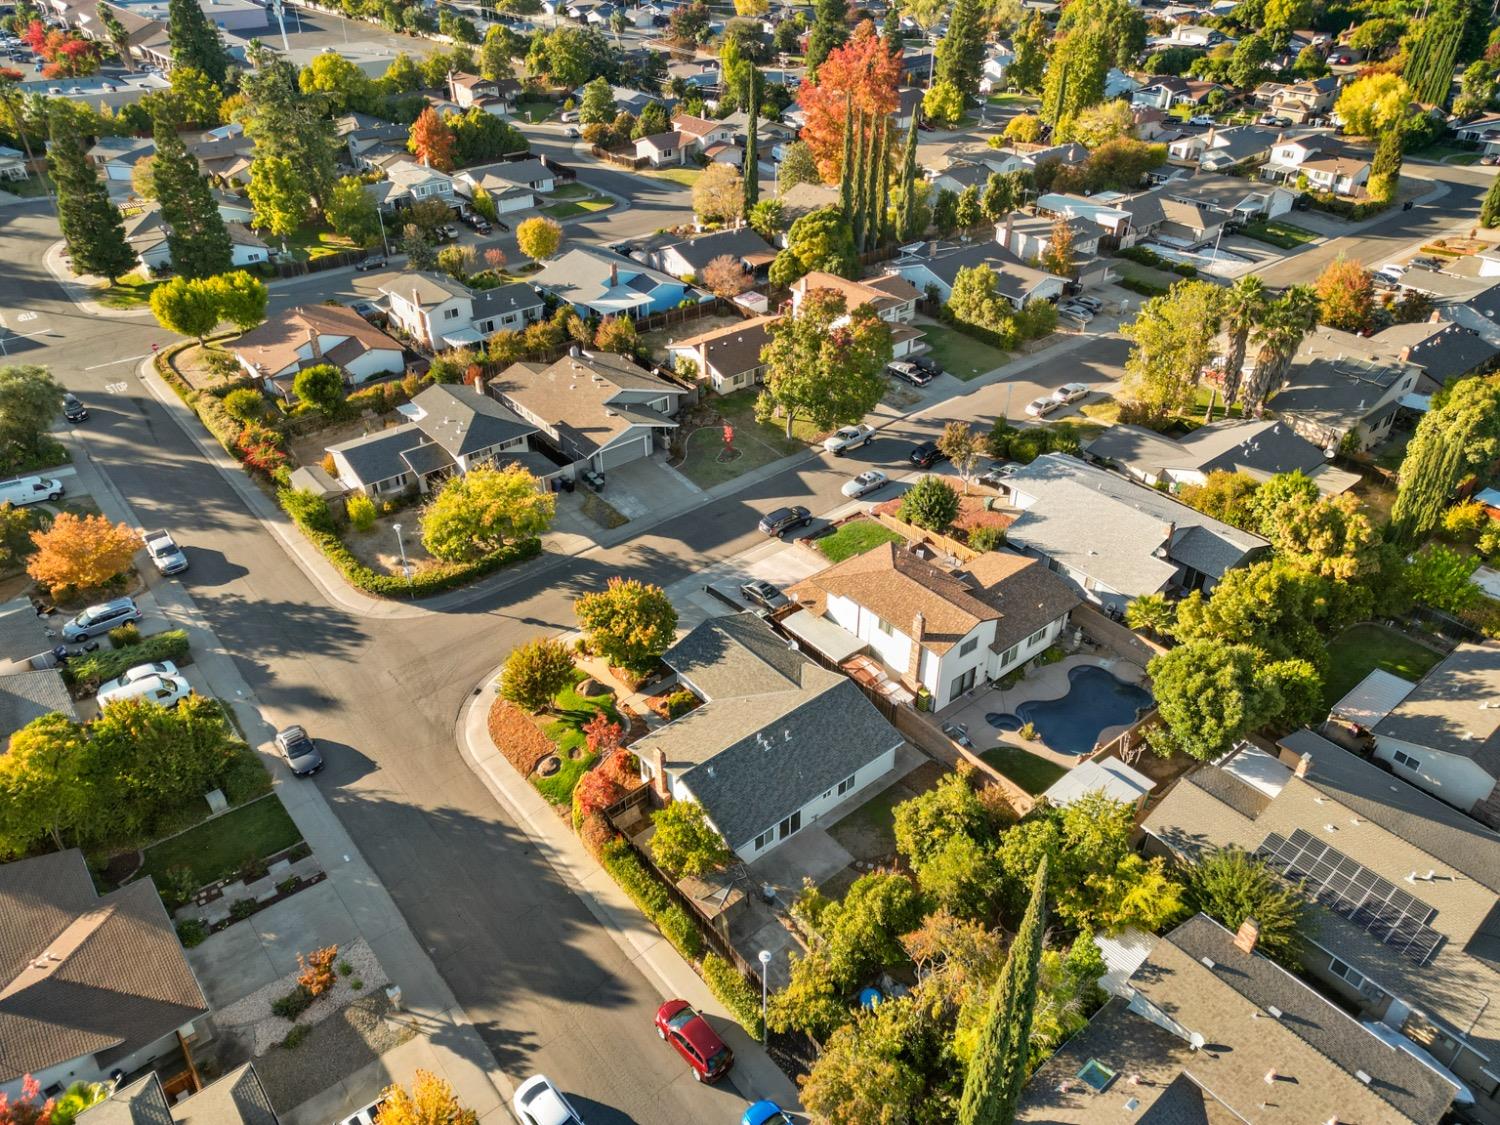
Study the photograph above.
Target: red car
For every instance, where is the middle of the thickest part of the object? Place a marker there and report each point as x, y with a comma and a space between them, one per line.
699, 1044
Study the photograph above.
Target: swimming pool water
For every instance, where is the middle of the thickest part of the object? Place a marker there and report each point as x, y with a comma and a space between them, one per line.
1096, 699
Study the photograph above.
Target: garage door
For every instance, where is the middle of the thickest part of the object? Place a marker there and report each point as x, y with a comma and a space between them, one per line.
624, 454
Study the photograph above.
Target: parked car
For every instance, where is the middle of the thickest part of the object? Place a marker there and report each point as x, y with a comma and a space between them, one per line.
140, 672
1092, 303
923, 363
73, 410
370, 311
1273, 119
762, 593
573, 132
371, 262
698, 1044
926, 454
300, 751
1081, 313
368, 1115
1201, 119
864, 484
30, 490
474, 221
1071, 392
1425, 263
1390, 274
101, 618
1490, 158
908, 373
765, 1113
538, 1102
782, 520
1041, 407
165, 552
849, 437
164, 691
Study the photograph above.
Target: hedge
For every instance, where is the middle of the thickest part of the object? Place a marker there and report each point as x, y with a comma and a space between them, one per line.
96, 667
1144, 288
652, 898
1148, 257
734, 992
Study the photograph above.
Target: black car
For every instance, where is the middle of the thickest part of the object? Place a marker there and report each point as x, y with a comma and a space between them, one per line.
762, 593
922, 363
373, 262
926, 455
908, 373
73, 410
782, 520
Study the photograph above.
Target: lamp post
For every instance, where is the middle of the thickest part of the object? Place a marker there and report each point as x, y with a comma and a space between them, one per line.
765, 966
401, 544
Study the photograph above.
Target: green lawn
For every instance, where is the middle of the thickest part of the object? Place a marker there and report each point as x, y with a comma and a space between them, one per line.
217, 848
687, 177
32, 187
307, 244
755, 443
571, 191
961, 356
1277, 233
568, 208
1360, 649
855, 538
1020, 101
535, 111
1030, 772
133, 291
572, 712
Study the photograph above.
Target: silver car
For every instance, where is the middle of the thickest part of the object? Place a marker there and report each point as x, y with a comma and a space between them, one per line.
299, 750
871, 481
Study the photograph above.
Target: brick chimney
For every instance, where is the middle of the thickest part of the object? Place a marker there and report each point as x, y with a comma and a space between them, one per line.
614, 275
659, 780
313, 347
918, 635
1405, 354
1247, 936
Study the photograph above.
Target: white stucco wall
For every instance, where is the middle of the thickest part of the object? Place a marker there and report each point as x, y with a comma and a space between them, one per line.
377, 361
1457, 780
865, 776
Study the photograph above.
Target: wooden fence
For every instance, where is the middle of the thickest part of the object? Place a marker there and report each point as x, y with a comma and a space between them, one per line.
1119, 638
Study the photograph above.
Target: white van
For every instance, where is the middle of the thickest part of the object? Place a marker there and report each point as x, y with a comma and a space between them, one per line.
30, 490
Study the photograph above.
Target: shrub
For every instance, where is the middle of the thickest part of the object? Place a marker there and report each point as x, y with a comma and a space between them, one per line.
734, 992
594, 793
245, 405
96, 667
678, 927
345, 968
288, 885
1465, 521
191, 932
680, 703
1028, 732
177, 886
125, 636
253, 867
292, 1005
652, 898
356, 984
295, 1037
242, 908
596, 833
986, 538
308, 510
361, 511
245, 777
316, 977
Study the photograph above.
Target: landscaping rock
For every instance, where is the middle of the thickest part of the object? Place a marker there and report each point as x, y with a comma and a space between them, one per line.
548, 766
590, 687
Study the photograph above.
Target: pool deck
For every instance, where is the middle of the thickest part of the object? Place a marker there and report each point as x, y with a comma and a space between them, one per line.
1040, 684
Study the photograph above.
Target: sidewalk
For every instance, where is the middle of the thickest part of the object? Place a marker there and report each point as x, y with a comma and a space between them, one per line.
754, 1075
452, 1046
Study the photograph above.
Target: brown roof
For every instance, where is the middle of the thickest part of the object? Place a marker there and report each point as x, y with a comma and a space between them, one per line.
272, 347
84, 974
734, 348
880, 292
694, 126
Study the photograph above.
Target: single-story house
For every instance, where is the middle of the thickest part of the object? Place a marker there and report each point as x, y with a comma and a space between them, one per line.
804, 199
631, 101
597, 282
115, 91
361, 132
307, 335
1157, 214
937, 264
533, 174
499, 182
1216, 149
778, 742
1341, 383
660, 149
1029, 237
1442, 349
891, 295
1482, 129
238, 1098
1238, 200
702, 133
26, 694
1165, 91
116, 157
727, 358
148, 235
442, 313
689, 257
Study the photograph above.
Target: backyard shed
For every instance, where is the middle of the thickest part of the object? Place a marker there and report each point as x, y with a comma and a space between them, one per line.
1109, 776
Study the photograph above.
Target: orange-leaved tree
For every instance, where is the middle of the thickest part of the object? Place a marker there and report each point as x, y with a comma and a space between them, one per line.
431, 140
866, 70
430, 1102
81, 551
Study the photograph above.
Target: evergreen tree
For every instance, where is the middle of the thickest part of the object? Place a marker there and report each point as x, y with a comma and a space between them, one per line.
846, 181
195, 41
752, 147
856, 175
907, 213
1457, 437
830, 29
960, 54
883, 187
1031, 45
199, 243
1434, 52
283, 122
997, 1068
1385, 168
1075, 74
118, 37
1489, 213
91, 224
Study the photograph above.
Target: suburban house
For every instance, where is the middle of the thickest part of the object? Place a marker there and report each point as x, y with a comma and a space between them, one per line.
1299, 101
1402, 890
414, 182
1482, 130
689, 257
1327, 163
493, 95
116, 157
1443, 286
908, 105
1183, 225
1341, 384
804, 199
1165, 91
1217, 149
1118, 84
996, 64
1029, 237
893, 298
943, 630
439, 312
965, 158
237, 1098
13, 164
95, 984
449, 429
598, 282
507, 184
631, 101
960, 175
1257, 447
147, 232
772, 136
937, 264
1117, 540
778, 742
661, 149
727, 358
361, 133
1203, 1028
307, 335
597, 410
1234, 199
1443, 349
703, 134
1103, 212
27, 693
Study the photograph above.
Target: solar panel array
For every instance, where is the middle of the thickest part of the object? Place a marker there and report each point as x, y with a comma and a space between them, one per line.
1352, 891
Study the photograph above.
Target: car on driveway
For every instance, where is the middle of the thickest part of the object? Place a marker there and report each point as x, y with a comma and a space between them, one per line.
849, 437
139, 672
1081, 313
867, 482
926, 454
368, 1115
765, 1113
908, 373
1201, 119
373, 262
370, 311
764, 594
1272, 119
1041, 407
165, 552
782, 520
1490, 158
30, 490
1071, 392
73, 410
101, 618
300, 750
924, 363
538, 1102
698, 1044
1422, 262
164, 691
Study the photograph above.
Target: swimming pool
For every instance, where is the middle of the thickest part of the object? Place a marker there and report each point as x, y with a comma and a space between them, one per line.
1096, 700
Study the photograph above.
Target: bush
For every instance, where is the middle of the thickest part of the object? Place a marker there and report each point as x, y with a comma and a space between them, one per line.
734, 992
245, 778
1148, 257
361, 511
680, 703
242, 908
316, 977
245, 405
295, 1037
96, 667
125, 636
177, 886
288, 885
652, 898
597, 834
252, 867
1465, 521
191, 932
307, 509
986, 538
293, 1004
1028, 732
679, 928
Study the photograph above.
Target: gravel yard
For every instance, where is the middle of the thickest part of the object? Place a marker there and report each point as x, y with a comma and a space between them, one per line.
251, 1020
334, 1049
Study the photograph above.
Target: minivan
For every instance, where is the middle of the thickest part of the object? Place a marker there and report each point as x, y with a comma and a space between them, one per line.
101, 618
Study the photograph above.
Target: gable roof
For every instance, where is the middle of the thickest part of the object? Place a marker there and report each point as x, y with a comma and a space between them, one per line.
885, 292
602, 280
733, 349
743, 245
120, 981
1014, 279
25, 696
1444, 350
465, 420
1452, 708
273, 346
695, 127
1337, 379
238, 1098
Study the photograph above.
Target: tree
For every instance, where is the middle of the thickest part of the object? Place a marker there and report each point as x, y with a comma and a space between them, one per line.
1099, 124
1249, 64
1346, 295
1243, 305
1150, 613
320, 386
797, 166
685, 843
726, 277
1119, 24
1284, 324
966, 212
1327, 536
1226, 496
430, 1102
1032, 46
240, 296
872, 1069
30, 400
945, 212
476, 514
1210, 695
1173, 337
1434, 51
1439, 576
278, 195
964, 446
539, 237
1489, 211
630, 623
943, 104
185, 306
960, 53
343, 84
81, 552
826, 363
91, 225
1367, 105
752, 142
143, 177
77, 1098
458, 262
115, 31
862, 76
924, 824
41, 787
1058, 257
535, 672
1075, 74
830, 28
688, 24
598, 103
931, 503
997, 1071
617, 334
195, 229
195, 42
352, 212
767, 219
431, 141
1231, 885
287, 124
1458, 436
719, 194
820, 240
906, 211
1385, 168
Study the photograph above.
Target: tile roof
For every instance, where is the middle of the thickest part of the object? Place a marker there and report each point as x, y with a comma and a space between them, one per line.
1452, 708
120, 983
273, 346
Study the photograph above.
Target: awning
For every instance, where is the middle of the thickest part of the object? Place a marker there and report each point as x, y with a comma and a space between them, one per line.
823, 636
1412, 401
1373, 698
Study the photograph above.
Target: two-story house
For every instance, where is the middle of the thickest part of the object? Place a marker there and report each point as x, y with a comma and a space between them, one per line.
891, 295
493, 95
1217, 149
439, 312
1165, 91
413, 182
307, 335
1299, 101
1327, 164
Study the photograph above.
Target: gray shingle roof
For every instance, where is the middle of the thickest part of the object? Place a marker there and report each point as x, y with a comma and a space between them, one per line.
376, 457
741, 244
1262, 448
1443, 350
464, 420
236, 1099
516, 297
25, 696
1451, 708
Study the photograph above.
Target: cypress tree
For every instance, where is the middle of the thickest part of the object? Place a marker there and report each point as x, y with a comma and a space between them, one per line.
1489, 212
1385, 167
195, 41
960, 55
883, 195
906, 217
91, 224
200, 244
872, 189
856, 174
752, 157
997, 1070
846, 182
1434, 52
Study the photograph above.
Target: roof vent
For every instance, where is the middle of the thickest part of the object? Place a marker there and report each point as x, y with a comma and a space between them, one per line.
1273, 1011
1330, 828
1208, 962
1363, 1076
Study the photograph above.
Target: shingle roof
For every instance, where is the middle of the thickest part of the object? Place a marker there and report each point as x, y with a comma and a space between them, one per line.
602, 280
735, 348
273, 346
1443, 350
743, 244
464, 420
142, 1102
25, 696
377, 457
516, 297
1338, 379
238, 1098
120, 982
1452, 708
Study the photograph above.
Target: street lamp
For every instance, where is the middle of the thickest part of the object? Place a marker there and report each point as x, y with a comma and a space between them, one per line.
765, 967
400, 543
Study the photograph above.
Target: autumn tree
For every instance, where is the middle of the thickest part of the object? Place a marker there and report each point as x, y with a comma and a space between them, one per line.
826, 363
81, 552
479, 512
1346, 295
431, 1101
685, 843
964, 446
630, 623
539, 237
1058, 257
862, 73
617, 334
1172, 337
535, 672
1367, 105
719, 194
726, 277
431, 141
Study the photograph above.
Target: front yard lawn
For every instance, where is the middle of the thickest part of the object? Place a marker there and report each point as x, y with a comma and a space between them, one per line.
1360, 649
571, 191
1011, 98
571, 713
1277, 233
535, 111
570, 207
217, 848
1032, 773
133, 291
687, 177
32, 187
855, 538
307, 244
961, 356
755, 443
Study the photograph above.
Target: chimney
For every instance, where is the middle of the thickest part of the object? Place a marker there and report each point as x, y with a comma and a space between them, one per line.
1247, 935
1435, 318
1405, 354
1169, 529
918, 634
1010, 217
312, 343
1304, 764
659, 780
1208, 139
614, 275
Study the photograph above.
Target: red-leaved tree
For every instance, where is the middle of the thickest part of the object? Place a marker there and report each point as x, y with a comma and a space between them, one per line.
26, 1110
865, 68
431, 140
67, 55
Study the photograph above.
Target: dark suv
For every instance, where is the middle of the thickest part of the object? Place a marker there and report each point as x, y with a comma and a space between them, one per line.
782, 520
926, 455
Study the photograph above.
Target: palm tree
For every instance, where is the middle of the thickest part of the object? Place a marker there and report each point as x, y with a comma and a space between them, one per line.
1286, 321
1151, 613
1244, 306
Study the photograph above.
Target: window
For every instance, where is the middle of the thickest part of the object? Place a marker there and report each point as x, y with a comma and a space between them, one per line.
846, 785
1406, 760
1037, 636
791, 824
883, 627
449, 314
1009, 655
763, 839
968, 646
